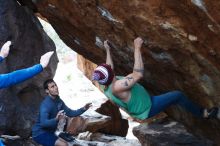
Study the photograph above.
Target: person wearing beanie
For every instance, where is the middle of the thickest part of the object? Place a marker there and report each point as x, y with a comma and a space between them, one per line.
132, 97
103, 74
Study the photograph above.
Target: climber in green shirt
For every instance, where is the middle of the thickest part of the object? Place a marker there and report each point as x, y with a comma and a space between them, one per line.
134, 98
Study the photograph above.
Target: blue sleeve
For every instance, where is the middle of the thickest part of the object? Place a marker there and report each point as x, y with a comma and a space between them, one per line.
1, 143
73, 113
19, 76
1, 58
44, 117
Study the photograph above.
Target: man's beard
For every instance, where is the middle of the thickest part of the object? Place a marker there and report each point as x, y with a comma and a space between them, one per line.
54, 95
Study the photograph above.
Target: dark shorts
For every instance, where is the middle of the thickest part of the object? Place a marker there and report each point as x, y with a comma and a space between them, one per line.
46, 139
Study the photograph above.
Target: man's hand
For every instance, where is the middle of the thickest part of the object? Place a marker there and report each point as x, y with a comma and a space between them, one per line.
61, 115
106, 45
44, 60
87, 106
138, 43
5, 49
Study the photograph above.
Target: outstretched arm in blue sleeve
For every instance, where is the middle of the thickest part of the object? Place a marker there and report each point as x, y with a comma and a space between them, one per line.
73, 113
19, 76
1, 58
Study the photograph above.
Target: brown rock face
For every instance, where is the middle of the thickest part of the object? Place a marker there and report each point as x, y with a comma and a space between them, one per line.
19, 104
117, 125
86, 66
91, 122
181, 48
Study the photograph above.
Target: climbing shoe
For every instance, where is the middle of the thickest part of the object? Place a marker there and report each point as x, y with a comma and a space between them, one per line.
66, 136
211, 113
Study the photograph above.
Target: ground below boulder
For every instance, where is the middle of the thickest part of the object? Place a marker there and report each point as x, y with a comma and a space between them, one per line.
83, 139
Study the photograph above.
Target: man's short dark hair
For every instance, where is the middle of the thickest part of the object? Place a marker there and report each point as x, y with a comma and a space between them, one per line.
48, 82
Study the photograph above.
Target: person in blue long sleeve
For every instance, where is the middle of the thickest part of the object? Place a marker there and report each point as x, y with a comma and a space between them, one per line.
18, 76
52, 109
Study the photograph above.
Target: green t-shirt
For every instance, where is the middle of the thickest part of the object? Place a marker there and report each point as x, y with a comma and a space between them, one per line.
139, 104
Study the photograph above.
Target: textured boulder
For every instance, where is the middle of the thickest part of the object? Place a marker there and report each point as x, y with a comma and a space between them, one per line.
89, 121
115, 126
167, 133
83, 139
181, 48
20, 142
87, 67
19, 104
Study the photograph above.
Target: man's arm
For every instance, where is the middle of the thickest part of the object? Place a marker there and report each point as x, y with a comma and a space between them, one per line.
109, 60
74, 113
19, 76
108, 54
138, 70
